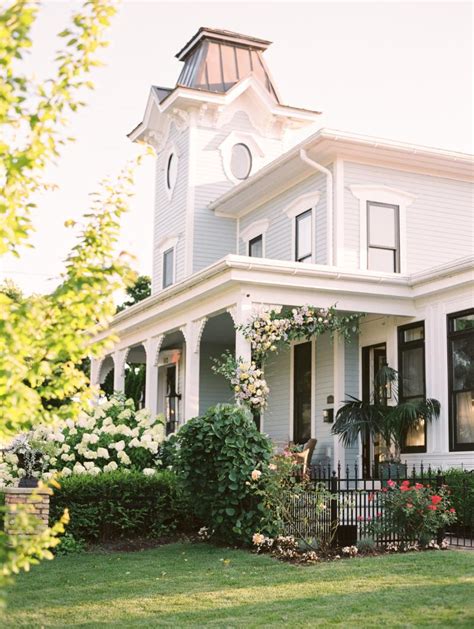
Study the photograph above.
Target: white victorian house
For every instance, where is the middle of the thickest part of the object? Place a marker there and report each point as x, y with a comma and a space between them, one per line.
255, 205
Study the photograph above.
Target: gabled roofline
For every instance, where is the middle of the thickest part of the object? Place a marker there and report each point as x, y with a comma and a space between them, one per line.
193, 95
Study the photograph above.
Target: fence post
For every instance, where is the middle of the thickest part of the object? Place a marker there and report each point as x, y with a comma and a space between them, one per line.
439, 484
334, 508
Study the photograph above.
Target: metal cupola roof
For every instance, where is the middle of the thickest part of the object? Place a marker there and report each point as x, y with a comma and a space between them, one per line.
215, 60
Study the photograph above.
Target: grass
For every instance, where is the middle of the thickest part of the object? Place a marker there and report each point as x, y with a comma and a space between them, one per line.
184, 585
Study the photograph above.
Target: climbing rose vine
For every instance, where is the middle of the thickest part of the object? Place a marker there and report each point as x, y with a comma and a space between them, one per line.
246, 380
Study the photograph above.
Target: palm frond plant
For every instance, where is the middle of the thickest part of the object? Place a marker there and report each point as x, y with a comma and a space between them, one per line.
380, 420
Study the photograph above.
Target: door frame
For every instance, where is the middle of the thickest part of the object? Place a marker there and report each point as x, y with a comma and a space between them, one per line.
367, 445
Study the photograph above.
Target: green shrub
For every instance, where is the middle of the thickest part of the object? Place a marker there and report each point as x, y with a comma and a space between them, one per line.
217, 454
69, 545
461, 488
119, 504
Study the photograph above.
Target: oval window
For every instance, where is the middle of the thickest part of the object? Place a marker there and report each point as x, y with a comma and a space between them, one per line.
171, 171
240, 161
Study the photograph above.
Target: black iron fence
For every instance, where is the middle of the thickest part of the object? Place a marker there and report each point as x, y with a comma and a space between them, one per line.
345, 503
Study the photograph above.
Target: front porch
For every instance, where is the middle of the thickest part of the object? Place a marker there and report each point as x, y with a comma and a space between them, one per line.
176, 334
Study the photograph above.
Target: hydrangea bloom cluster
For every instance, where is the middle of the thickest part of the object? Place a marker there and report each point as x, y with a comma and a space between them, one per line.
109, 436
249, 385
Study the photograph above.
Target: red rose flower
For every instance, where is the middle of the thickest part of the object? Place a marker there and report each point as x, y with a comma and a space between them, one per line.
418, 486
391, 483
409, 505
432, 507
452, 510
436, 500
405, 483
404, 488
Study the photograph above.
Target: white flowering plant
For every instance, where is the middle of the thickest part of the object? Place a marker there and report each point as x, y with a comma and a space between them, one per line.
109, 436
246, 380
269, 329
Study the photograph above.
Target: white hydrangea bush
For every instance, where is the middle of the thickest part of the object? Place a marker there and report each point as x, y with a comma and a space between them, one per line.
110, 436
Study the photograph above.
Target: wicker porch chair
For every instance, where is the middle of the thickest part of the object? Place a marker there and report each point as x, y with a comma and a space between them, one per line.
304, 457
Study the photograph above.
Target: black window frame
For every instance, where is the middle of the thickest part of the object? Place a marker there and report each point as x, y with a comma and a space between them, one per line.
307, 348
408, 345
452, 335
396, 251
165, 253
297, 219
171, 156
252, 241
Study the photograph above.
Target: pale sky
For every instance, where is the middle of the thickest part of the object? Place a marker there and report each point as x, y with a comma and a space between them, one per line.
390, 69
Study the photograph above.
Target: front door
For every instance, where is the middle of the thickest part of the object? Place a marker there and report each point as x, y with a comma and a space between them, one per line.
302, 392
373, 358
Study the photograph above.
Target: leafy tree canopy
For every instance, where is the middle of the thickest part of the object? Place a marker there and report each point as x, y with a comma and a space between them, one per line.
139, 290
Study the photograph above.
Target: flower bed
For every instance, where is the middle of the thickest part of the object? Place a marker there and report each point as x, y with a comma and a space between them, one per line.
109, 436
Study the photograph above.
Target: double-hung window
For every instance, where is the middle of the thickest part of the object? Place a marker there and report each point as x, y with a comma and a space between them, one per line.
256, 247
383, 237
168, 267
304, 237
411, 374
461, 379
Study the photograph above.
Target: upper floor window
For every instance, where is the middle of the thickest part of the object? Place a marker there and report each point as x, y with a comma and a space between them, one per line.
256, 247
411, 373
240, 161
168, 267
383, 237
303, 237
461, 379
171, 171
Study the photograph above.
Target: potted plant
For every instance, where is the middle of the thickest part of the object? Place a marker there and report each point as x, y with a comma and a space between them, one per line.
390, 423
30, 458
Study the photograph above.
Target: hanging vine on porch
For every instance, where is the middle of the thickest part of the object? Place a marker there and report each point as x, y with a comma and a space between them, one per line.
267, 332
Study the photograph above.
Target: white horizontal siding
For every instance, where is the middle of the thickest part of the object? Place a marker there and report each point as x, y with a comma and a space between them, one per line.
276, 419
214, 236
170, 214
324, 388
440, 222
278, 238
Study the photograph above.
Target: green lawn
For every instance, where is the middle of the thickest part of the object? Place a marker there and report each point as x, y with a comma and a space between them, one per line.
199, 585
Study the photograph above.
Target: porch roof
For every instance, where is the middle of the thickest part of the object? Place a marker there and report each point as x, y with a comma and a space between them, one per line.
289, 283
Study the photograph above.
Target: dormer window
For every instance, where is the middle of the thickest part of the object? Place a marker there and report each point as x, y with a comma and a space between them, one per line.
240, 161
171, 171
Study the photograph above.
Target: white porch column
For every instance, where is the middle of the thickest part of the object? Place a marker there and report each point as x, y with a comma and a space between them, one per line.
95, 371
240, 315
152, 347
192, 334
119, 357
339, 394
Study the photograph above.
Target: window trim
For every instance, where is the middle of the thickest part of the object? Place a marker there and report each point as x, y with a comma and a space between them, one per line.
378, 193
454, 446
308, 259
402, 344
171, 150
252, 231
396, 251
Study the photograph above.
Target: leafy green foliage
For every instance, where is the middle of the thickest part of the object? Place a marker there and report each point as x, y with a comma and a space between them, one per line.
217, 454
461, 490
120, 504
414, 512
136, 292
69, 545
135, 376
377, 417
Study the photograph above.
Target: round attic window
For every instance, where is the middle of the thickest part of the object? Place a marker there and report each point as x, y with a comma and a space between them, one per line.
171, 171
240, 161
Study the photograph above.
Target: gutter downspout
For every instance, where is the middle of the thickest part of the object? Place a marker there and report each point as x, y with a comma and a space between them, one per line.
329, 203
